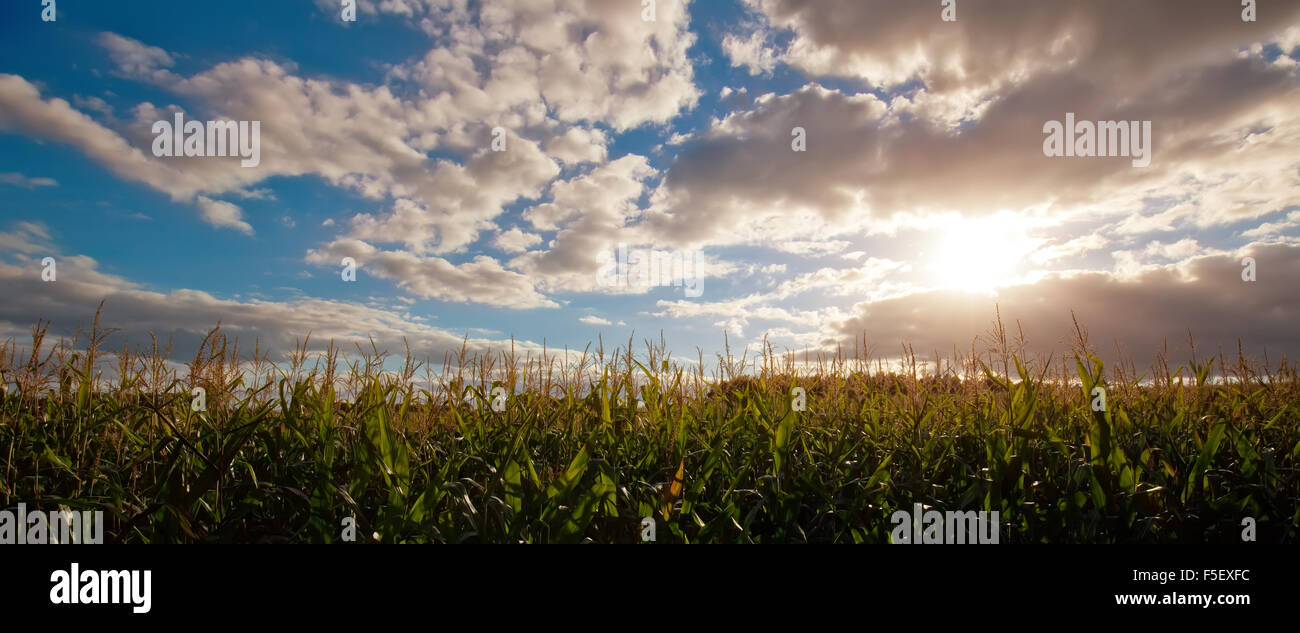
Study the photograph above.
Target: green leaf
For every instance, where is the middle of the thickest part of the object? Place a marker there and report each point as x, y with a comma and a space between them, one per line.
565, 485
513, 478
781, 443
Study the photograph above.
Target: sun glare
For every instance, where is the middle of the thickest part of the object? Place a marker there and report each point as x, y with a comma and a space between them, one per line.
978, 255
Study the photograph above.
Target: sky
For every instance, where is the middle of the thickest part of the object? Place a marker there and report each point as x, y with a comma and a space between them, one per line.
823, 172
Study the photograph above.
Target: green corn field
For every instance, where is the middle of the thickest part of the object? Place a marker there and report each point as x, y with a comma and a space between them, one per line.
581, 447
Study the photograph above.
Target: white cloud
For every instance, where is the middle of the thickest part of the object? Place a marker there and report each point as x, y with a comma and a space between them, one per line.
1072, 248
481, 280
752, 51
1268, 229
516, 241
23, 110
1177, 251
135, 59
593, 61
588, 213
26, 238
19, 180
185, 315
223, 215
588, 60
454, 203
578, 145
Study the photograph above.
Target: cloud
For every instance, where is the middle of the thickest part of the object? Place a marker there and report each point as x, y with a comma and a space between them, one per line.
861, 280
185, 315
1069, 249
948, 135
93, 104
1223, 141
588, 213
26, 238
752, 51
994, 44
1180, 250
135, 59
578, 145
868, 279
741, 181
735, 99
19, 180
454, 203
516, 241
481, 280
960, 129
587, 60
1158, 304
474, 78
1291, 220
23, 110
593, 62
223, 215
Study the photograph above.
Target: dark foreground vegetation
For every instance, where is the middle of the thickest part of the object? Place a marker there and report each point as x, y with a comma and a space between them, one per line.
285, 452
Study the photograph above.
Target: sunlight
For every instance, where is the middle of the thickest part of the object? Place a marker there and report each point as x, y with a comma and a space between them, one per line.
978, 255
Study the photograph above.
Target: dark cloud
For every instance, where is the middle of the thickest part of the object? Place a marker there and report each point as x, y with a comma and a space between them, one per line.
1222, 140
1205, 296
185, 316
1115, 41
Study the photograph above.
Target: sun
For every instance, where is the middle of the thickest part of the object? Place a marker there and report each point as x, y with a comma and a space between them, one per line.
981, 254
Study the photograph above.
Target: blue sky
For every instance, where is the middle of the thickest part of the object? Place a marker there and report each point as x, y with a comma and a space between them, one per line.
922, 202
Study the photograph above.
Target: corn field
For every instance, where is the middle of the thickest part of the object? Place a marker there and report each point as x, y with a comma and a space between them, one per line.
567, 448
